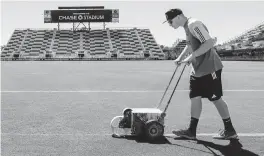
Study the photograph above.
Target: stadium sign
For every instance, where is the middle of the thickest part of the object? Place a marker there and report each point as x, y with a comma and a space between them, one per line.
67, 16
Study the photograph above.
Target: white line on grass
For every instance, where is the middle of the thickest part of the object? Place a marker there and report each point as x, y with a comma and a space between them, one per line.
78, 134
239, 134
38, 73
108, 91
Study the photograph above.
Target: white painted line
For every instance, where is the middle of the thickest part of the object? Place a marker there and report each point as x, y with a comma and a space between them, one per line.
172, 135
245, 90
108, 91
239, 134
148, 71
54, 134
37, 73
80, 91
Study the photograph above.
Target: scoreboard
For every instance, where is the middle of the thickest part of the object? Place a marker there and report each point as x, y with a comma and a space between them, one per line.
69, 16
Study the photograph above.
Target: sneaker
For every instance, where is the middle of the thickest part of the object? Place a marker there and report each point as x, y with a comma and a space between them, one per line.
185, 133
226, 135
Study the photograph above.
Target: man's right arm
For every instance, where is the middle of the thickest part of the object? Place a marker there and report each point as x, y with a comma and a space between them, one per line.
185, 51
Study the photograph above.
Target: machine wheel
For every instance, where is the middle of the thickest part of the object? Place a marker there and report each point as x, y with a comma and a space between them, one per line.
154, 130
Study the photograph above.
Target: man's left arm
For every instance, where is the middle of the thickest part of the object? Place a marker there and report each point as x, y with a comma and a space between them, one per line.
200, 32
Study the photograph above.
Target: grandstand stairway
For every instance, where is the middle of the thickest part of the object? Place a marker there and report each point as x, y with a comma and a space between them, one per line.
109, 39
140, 41
18, 52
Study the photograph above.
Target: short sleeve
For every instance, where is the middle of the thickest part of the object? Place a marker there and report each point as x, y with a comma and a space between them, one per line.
199, 31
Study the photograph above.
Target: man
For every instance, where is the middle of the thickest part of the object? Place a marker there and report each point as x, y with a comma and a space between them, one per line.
205, 79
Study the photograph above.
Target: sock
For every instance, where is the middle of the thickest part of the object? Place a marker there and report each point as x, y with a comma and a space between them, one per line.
193, 125
228, 124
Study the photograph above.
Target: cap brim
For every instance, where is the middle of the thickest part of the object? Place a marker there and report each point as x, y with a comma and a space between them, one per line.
164, 22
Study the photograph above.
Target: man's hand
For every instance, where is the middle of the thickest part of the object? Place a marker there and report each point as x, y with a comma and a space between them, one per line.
185, 51
188, 59
178, 61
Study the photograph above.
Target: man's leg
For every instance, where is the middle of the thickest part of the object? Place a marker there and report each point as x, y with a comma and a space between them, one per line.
216, 93
196, 109
195, 94
229, 131
222, 108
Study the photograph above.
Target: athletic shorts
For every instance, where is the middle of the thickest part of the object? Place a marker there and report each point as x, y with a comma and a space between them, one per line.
208, 86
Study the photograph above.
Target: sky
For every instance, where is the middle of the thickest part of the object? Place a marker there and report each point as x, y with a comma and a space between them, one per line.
224, 19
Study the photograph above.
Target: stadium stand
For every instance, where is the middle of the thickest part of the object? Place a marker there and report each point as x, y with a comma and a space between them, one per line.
179, 45
247, 46
13, 44
148, 43
254, 33
176, 49
96, 43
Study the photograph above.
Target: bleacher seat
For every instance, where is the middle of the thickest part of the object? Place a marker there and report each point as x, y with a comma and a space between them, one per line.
98, 43
13, 44
149, 42
251, 35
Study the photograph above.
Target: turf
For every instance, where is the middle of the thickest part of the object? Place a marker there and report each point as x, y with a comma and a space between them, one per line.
72, 115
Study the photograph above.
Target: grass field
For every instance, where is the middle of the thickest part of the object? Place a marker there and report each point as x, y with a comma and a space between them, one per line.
64, 108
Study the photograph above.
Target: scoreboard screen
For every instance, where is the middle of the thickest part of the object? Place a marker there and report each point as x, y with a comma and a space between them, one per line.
69, 16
